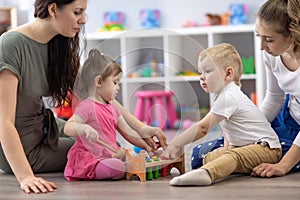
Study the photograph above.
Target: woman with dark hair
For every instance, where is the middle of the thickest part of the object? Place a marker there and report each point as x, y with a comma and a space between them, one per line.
41, 59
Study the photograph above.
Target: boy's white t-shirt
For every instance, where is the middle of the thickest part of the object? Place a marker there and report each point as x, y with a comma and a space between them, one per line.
281, 81
244, 124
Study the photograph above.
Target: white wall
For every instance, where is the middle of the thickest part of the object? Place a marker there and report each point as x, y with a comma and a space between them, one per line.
173, 12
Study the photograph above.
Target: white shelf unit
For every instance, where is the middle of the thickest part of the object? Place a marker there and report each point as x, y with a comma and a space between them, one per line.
177, 49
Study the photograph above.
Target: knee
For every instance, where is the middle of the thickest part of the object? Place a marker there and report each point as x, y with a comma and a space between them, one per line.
117, 168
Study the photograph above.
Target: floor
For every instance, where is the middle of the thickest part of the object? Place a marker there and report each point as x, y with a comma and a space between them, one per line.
238, 187
235, 187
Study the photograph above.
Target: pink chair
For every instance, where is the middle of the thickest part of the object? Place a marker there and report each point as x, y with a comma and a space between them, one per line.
145, 103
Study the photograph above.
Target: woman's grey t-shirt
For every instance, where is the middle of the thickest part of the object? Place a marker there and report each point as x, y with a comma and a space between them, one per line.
28, 60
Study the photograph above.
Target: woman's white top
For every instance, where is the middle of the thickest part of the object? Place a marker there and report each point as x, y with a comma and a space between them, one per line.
281, 81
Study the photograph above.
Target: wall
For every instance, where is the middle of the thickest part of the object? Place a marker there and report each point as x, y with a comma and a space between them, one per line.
173, 12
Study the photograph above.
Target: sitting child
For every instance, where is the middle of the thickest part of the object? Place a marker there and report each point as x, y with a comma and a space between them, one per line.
95, 154
250, 138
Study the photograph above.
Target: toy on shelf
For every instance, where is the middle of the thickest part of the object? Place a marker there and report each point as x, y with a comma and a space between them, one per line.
212, 19
253, 97
147, 169
190, 24
187, 73
112, 21
150, 69
216, 19
248, 65
237, 13
150, 18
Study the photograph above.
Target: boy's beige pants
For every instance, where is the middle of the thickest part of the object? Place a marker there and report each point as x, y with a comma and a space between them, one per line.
225, 160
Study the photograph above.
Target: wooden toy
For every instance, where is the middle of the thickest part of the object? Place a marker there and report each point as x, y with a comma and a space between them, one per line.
137, 165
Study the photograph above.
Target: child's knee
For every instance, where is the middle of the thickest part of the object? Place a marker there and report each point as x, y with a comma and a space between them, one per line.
118, 168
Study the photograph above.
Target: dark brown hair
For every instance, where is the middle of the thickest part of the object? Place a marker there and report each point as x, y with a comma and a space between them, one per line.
63, 55
96, 64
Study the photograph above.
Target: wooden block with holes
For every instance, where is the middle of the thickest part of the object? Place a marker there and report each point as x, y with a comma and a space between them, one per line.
137, 165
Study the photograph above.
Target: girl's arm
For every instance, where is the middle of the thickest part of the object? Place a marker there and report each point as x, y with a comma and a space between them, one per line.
76, 126
10, 139
148, 133
193, 133
131, 135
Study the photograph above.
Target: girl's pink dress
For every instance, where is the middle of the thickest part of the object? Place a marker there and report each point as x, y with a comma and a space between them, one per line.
84, 155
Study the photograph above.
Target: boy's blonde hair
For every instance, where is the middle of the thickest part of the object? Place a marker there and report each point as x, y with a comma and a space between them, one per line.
96, 64
224, 55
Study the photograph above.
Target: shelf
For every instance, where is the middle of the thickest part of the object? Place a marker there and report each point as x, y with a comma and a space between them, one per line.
176, 50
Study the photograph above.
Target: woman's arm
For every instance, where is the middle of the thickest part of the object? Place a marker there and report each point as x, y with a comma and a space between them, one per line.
279, 169
288, 161
274, 98
149, 133
10, 139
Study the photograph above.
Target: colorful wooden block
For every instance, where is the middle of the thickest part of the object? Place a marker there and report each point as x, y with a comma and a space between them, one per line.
137, 165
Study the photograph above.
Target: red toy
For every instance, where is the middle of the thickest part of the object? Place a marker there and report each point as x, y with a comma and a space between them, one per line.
65, 111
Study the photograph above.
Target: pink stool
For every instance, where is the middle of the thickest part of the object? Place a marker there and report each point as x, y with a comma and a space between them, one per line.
145, 100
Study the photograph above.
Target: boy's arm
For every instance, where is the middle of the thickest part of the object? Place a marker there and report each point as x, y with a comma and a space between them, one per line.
195, 132
131, 135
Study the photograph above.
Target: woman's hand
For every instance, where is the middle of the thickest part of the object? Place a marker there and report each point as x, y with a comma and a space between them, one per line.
37, 185
153, 136
269, 170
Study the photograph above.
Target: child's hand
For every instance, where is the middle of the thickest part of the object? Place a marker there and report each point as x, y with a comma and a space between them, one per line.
120, 154
91, 134
171, 152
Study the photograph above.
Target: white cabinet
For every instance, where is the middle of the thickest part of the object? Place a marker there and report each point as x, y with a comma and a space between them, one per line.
175, 50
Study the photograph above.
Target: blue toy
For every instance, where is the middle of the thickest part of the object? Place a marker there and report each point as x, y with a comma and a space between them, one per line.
112, 21
136, 149
237, 13
150, 18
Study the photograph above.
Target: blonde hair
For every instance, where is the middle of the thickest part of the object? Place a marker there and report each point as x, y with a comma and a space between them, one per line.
96, 64
225, 55
284, 16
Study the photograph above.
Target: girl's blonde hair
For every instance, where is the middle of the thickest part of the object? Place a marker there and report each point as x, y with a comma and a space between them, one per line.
96, 64
224, 55
284, 17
